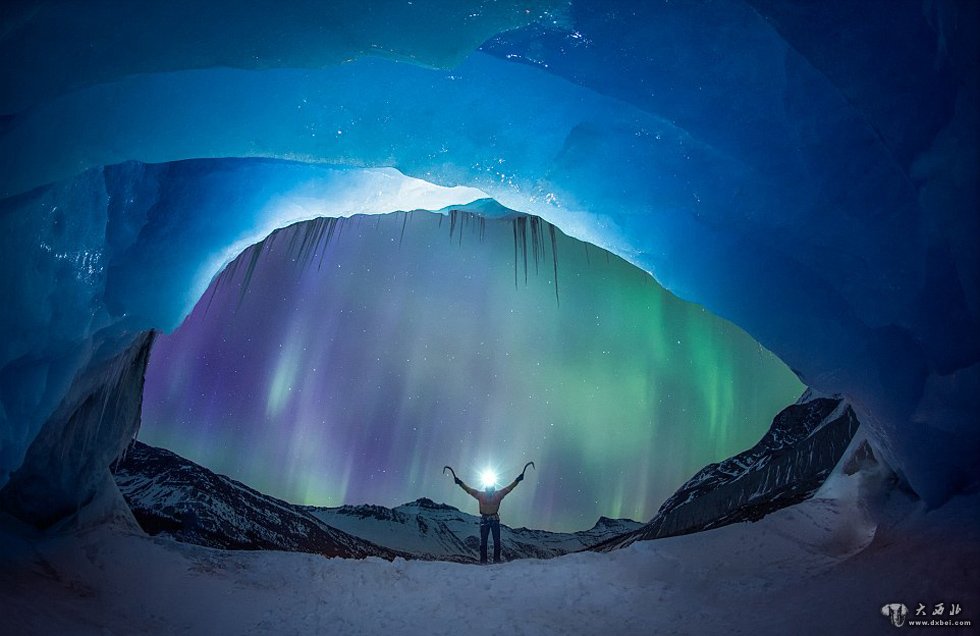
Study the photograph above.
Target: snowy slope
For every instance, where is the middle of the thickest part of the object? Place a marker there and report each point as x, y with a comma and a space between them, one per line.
174, 496
824, 566
790, 462
439, 531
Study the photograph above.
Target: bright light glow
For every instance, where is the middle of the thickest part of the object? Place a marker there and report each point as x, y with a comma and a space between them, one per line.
488, 478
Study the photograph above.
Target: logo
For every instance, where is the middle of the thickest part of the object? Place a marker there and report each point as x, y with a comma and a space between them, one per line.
896, 613
941, 616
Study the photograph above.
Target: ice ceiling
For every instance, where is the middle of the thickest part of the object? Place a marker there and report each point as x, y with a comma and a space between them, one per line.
806, 170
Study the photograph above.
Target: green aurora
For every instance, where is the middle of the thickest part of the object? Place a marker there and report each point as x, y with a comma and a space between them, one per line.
352, 368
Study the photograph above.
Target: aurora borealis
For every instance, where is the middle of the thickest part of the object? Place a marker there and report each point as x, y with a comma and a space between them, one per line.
357, 363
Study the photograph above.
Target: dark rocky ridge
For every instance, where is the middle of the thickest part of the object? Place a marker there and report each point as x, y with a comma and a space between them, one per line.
172, 495
789, 464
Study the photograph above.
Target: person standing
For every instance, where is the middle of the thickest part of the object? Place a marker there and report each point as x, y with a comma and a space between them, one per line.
489, 499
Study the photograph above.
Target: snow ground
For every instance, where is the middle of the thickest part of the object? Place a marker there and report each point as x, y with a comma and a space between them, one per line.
825, 566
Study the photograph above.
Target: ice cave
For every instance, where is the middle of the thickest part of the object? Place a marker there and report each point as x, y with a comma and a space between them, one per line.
789, 186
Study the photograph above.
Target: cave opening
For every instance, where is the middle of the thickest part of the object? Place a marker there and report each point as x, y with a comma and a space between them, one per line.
346, 360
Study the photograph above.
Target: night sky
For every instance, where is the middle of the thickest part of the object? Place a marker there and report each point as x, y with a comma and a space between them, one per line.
364, 354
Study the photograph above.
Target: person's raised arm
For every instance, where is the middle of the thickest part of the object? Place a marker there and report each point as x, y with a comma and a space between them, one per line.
512, 485
471, 491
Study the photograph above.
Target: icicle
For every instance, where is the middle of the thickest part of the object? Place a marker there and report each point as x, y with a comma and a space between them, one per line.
214, 290
401, 237
301, 230
234, 266
554, 259
293, 233
532, 222
309, 230
536, 241
253, 261
331, 226
524, 246
520, 225
271, 239
320, 245
513, 226
308, 250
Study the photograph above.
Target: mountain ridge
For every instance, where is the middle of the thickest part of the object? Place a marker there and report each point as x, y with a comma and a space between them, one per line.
174, 496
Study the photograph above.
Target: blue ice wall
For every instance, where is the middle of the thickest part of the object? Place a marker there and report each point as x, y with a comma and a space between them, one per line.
807, 170
52, 47
91, 263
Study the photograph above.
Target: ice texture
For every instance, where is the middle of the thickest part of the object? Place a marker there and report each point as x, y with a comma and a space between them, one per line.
67, 463
84, 44
127, 248
805, 170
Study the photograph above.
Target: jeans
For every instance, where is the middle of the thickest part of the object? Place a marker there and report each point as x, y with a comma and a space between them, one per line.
487, 524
